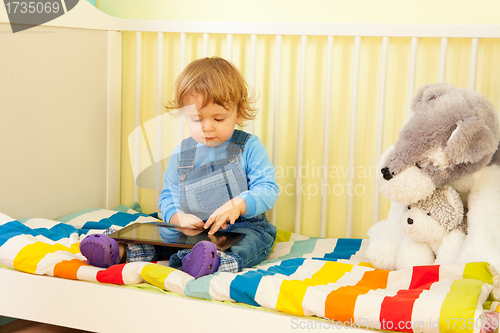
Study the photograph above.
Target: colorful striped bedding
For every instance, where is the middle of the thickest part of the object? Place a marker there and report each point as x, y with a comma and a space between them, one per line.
325, 278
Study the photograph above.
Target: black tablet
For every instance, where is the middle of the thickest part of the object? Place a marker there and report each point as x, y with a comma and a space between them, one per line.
165, 234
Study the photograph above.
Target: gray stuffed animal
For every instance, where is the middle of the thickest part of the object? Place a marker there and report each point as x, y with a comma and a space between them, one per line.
434, 229
451, 138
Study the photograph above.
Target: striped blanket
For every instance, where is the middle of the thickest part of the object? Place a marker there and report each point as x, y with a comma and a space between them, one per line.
328, 279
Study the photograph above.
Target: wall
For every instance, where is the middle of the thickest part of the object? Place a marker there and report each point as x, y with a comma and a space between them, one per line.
340, 11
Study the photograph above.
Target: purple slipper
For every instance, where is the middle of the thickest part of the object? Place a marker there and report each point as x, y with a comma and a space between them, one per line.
100, 250
202, 260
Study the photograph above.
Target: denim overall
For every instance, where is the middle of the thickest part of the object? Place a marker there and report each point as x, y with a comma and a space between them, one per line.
206, 188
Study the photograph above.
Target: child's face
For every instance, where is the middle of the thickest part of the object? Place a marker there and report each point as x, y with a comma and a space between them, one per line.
211, 125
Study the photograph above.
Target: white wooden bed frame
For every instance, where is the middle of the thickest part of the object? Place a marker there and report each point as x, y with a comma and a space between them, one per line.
108, 308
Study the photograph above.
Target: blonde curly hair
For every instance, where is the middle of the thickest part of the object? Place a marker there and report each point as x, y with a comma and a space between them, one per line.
219, 82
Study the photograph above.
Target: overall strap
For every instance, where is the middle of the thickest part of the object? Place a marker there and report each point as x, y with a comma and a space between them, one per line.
186, 157
237, 144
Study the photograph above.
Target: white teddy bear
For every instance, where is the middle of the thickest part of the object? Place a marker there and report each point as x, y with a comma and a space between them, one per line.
451, 138
434, 229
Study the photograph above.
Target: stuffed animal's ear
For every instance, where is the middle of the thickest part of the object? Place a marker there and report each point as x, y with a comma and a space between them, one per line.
428, 93
453, 198
438, 158
471, 141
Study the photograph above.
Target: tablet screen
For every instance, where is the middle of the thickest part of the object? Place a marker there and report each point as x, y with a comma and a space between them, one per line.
164, 234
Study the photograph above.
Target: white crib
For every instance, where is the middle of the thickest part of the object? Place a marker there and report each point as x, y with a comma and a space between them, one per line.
73, 152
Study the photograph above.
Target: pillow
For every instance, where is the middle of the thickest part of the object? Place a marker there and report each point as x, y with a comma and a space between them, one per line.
96, 220
290, 245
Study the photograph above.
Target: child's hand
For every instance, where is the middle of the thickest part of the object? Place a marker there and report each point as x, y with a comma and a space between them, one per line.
230, 211
186, 220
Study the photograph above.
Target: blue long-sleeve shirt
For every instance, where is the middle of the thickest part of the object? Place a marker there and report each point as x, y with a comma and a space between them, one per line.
262, 191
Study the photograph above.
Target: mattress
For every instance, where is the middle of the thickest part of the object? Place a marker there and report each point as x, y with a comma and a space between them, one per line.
328, 280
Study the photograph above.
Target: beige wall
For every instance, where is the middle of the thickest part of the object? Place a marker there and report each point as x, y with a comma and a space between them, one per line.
339, 11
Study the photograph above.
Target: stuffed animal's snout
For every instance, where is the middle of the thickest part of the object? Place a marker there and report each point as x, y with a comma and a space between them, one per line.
386, 173
410, 220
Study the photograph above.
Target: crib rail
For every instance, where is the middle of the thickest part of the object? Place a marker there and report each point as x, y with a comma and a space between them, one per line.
314, 29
